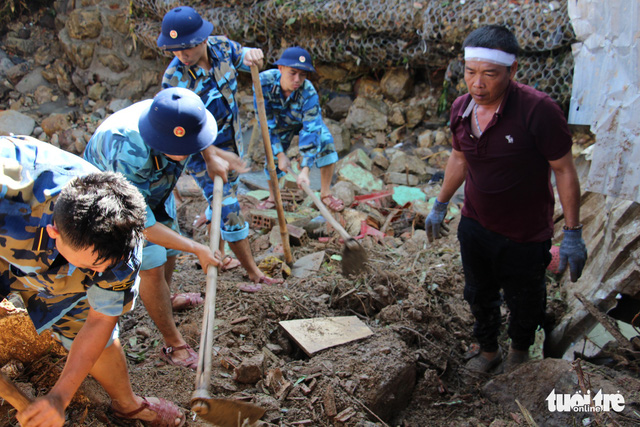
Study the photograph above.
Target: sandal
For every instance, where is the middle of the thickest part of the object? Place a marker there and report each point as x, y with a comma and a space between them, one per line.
166, 413
229, 263
266, 204
333, 203
265, 280
190, 362
250, 287
480, 365
190, 300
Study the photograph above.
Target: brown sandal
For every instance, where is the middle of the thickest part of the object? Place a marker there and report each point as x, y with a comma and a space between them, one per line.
333, 203
166, 413
191, 300
190, 362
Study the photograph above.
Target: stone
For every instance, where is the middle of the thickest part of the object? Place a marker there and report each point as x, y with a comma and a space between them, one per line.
84, 23
367, 115
73, 140
79, 52
400, 178
396, 116
119, 22
402, 162
361, 178
341, 136
403, 195
250, 370
338, 107
397, 84
55, 123
135, 85
426, 139
21, 46
45, 55
114, 63
367, 87
31, 81
331, 72
415, 115
14, 122
43, 94
353, 220
118, 104
380, 160
440, 138
97, 92
358, 157
146, 52
5, 65
344, 191
17, 72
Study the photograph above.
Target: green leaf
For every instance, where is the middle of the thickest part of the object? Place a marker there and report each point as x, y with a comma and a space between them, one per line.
290, 21
299, 380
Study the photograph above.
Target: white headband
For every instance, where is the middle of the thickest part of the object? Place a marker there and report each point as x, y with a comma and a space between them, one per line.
490, 55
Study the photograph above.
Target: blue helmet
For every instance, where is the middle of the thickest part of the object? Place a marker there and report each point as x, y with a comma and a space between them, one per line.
177, 123
296, 57
183, 28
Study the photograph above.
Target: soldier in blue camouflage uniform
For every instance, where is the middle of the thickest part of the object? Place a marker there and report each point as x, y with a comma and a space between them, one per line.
71, 243
293, 108
150, 143
209, 65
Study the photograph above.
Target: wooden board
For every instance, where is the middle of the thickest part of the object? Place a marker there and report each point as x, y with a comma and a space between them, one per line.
313, 335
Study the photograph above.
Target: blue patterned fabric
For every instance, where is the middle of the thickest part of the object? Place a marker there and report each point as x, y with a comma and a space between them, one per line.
57, 295
217, 88
299, 114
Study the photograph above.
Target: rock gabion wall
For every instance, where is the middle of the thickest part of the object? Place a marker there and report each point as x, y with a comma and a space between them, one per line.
386, 33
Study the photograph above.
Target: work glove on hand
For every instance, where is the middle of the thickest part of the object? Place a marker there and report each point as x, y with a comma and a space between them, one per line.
434, 224
574, 252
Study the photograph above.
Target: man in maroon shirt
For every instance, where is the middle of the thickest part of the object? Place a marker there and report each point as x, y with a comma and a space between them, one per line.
507, 138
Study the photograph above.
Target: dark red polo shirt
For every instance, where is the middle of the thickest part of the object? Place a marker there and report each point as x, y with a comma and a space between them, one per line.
508, 188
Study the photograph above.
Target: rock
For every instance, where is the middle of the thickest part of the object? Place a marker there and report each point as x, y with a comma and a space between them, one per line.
31, 81
45, 55
364, 180
396, 117
367, 87
250, 370
79, 52
415, 114
344, 191
43, 94
97, 92
73, 140
14, 122
5, 65
331, 72
396, 84
397, 135
358, 157
55, 123
119, 22
341, 136
118, 104
21, 46
135, 85
17, 72
367, 115
402, 163
59, 73
84, 23
426, 139
338, 107
353, 220
114, 63
147, 53
380, 160
401, 179
440, 138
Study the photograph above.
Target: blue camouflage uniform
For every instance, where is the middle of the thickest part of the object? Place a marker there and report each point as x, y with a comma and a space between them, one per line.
56, 294
118, 146
299, 114
217, 89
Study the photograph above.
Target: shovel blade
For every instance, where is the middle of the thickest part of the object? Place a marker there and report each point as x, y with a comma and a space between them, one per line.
354, 258
226, 412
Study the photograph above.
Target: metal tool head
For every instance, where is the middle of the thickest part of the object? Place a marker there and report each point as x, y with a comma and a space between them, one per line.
226, 412
354, 258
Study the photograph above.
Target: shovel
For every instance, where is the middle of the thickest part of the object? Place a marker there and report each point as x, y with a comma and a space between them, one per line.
12, 394
220, 412
354, 256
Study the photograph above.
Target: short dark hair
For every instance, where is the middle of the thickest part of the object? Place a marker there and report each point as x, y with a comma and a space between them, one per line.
493, 37
104, 211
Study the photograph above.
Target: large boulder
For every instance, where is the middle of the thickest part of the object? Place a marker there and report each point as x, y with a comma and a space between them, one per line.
396, 84
13, 122
84, 24
367, 115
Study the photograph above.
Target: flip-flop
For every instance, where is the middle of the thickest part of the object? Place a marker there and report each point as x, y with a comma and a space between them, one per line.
266, 204
190, 362
250, 287
333, 203
266, 280
229, 263
166, 413
190, 300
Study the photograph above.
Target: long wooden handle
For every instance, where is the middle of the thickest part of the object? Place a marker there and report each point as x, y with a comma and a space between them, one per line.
203, 373
271, 167
12, 394
323, 209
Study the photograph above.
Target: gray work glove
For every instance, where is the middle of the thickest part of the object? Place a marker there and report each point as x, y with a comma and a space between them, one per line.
434, 224
574, 252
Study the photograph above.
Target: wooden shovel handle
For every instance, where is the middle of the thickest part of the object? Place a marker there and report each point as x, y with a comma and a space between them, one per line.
12, 394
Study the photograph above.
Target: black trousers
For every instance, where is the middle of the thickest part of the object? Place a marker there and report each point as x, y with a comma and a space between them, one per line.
492, 263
